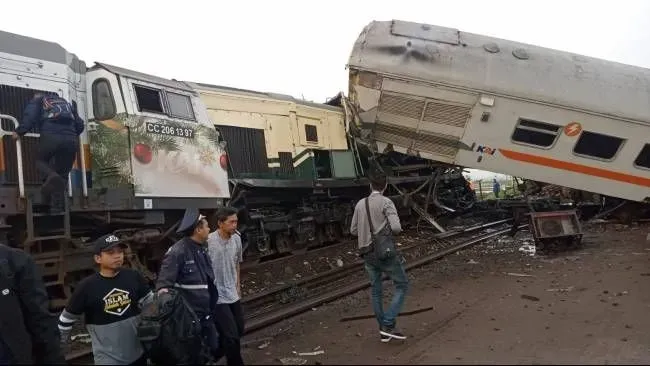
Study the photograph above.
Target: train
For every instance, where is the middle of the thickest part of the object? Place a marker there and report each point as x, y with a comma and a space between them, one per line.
480, 102
153, 147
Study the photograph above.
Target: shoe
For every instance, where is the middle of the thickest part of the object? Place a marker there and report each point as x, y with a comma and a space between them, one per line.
391, 332
384, 338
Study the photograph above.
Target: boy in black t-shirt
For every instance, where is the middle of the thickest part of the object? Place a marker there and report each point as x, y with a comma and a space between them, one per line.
110, 300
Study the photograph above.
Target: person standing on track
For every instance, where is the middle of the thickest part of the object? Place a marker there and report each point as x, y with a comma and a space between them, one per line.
383, 214
187, 268
225, 250
28, 332
110, 300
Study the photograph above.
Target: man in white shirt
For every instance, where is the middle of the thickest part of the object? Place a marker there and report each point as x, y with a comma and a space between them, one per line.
225, 251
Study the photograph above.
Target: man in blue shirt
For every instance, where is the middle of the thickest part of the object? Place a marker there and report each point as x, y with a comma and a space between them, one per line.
59, 125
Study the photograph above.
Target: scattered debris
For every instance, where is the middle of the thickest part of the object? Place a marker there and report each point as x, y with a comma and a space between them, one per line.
82, 337
570, 288
531, 298
264, 345
471, 261
314, 353
519, 274
292, 361
339, 262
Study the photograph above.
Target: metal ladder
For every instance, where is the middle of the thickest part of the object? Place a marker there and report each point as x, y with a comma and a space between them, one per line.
30, 216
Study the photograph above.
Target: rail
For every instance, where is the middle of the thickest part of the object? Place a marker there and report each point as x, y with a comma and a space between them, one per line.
19, 161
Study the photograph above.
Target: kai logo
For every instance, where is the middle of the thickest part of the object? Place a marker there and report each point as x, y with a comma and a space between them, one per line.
117, 302
485, 150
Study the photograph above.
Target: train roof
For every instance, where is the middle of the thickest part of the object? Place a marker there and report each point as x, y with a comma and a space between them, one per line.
447, 56
145, 77
39, 49
258, 94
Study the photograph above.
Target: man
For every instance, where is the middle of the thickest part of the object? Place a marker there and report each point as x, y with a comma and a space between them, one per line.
110, 300
225, 250
59, 125
496, 188
186, 267
384, 217
28, 333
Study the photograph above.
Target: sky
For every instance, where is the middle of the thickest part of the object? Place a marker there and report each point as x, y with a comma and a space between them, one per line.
301, 48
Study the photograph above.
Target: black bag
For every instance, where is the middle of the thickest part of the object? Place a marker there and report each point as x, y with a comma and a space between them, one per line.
382, 246
170, 331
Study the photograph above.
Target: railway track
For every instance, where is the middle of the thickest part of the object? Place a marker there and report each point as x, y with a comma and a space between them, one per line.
274, 305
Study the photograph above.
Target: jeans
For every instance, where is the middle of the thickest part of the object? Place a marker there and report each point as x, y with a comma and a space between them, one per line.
395, 271
229, 319
64, 151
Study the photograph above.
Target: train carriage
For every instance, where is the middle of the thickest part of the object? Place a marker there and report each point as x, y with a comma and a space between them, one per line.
497, 105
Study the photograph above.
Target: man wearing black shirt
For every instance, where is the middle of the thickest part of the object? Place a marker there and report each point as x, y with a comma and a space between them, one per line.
111, 300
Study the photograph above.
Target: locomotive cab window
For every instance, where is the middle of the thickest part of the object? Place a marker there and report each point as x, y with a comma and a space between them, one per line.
643, 160
539, 134
180, 106
103, 102
596, 145
149, 100
311, 133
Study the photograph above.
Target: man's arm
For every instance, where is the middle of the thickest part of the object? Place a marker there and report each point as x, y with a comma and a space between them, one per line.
240, 258
354, 225
31, 116
391, 214
78, 122
40, 323
73, 312
145, 295
169, 268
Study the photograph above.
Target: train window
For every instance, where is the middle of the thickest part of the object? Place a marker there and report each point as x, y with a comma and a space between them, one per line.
180, 106
311, 133
596, 145
103, 102
535, 133
148, 99
643, 160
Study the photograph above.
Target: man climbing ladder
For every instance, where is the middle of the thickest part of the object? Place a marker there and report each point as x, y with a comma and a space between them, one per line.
59, 126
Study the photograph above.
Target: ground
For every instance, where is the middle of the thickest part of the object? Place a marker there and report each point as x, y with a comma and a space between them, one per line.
494, 303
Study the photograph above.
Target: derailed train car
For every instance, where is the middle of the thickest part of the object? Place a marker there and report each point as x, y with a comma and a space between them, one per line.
148, 152
497, 105
296, 176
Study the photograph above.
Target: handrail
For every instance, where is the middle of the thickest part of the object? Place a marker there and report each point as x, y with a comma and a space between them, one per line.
19, 156
82, 160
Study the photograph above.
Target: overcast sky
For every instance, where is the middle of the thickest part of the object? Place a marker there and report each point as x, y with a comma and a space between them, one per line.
301, 47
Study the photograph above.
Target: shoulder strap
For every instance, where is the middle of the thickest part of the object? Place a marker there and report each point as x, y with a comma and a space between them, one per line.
372, 229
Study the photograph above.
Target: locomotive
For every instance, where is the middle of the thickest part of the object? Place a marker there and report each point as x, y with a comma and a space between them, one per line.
148, 152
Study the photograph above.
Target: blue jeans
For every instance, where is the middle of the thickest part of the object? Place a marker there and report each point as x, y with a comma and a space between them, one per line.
395, 271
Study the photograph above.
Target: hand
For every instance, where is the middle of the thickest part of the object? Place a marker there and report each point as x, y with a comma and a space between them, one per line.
15, 136
163, 290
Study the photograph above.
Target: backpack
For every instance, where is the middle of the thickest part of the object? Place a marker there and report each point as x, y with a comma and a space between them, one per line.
170, 331
57, 109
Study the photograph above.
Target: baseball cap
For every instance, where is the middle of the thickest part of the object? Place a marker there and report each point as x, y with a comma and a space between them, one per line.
107, 242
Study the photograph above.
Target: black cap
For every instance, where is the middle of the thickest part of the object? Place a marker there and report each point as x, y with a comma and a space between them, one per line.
107, 242
190, 219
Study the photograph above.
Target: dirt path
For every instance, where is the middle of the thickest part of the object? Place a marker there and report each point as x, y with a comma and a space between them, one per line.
588, 306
